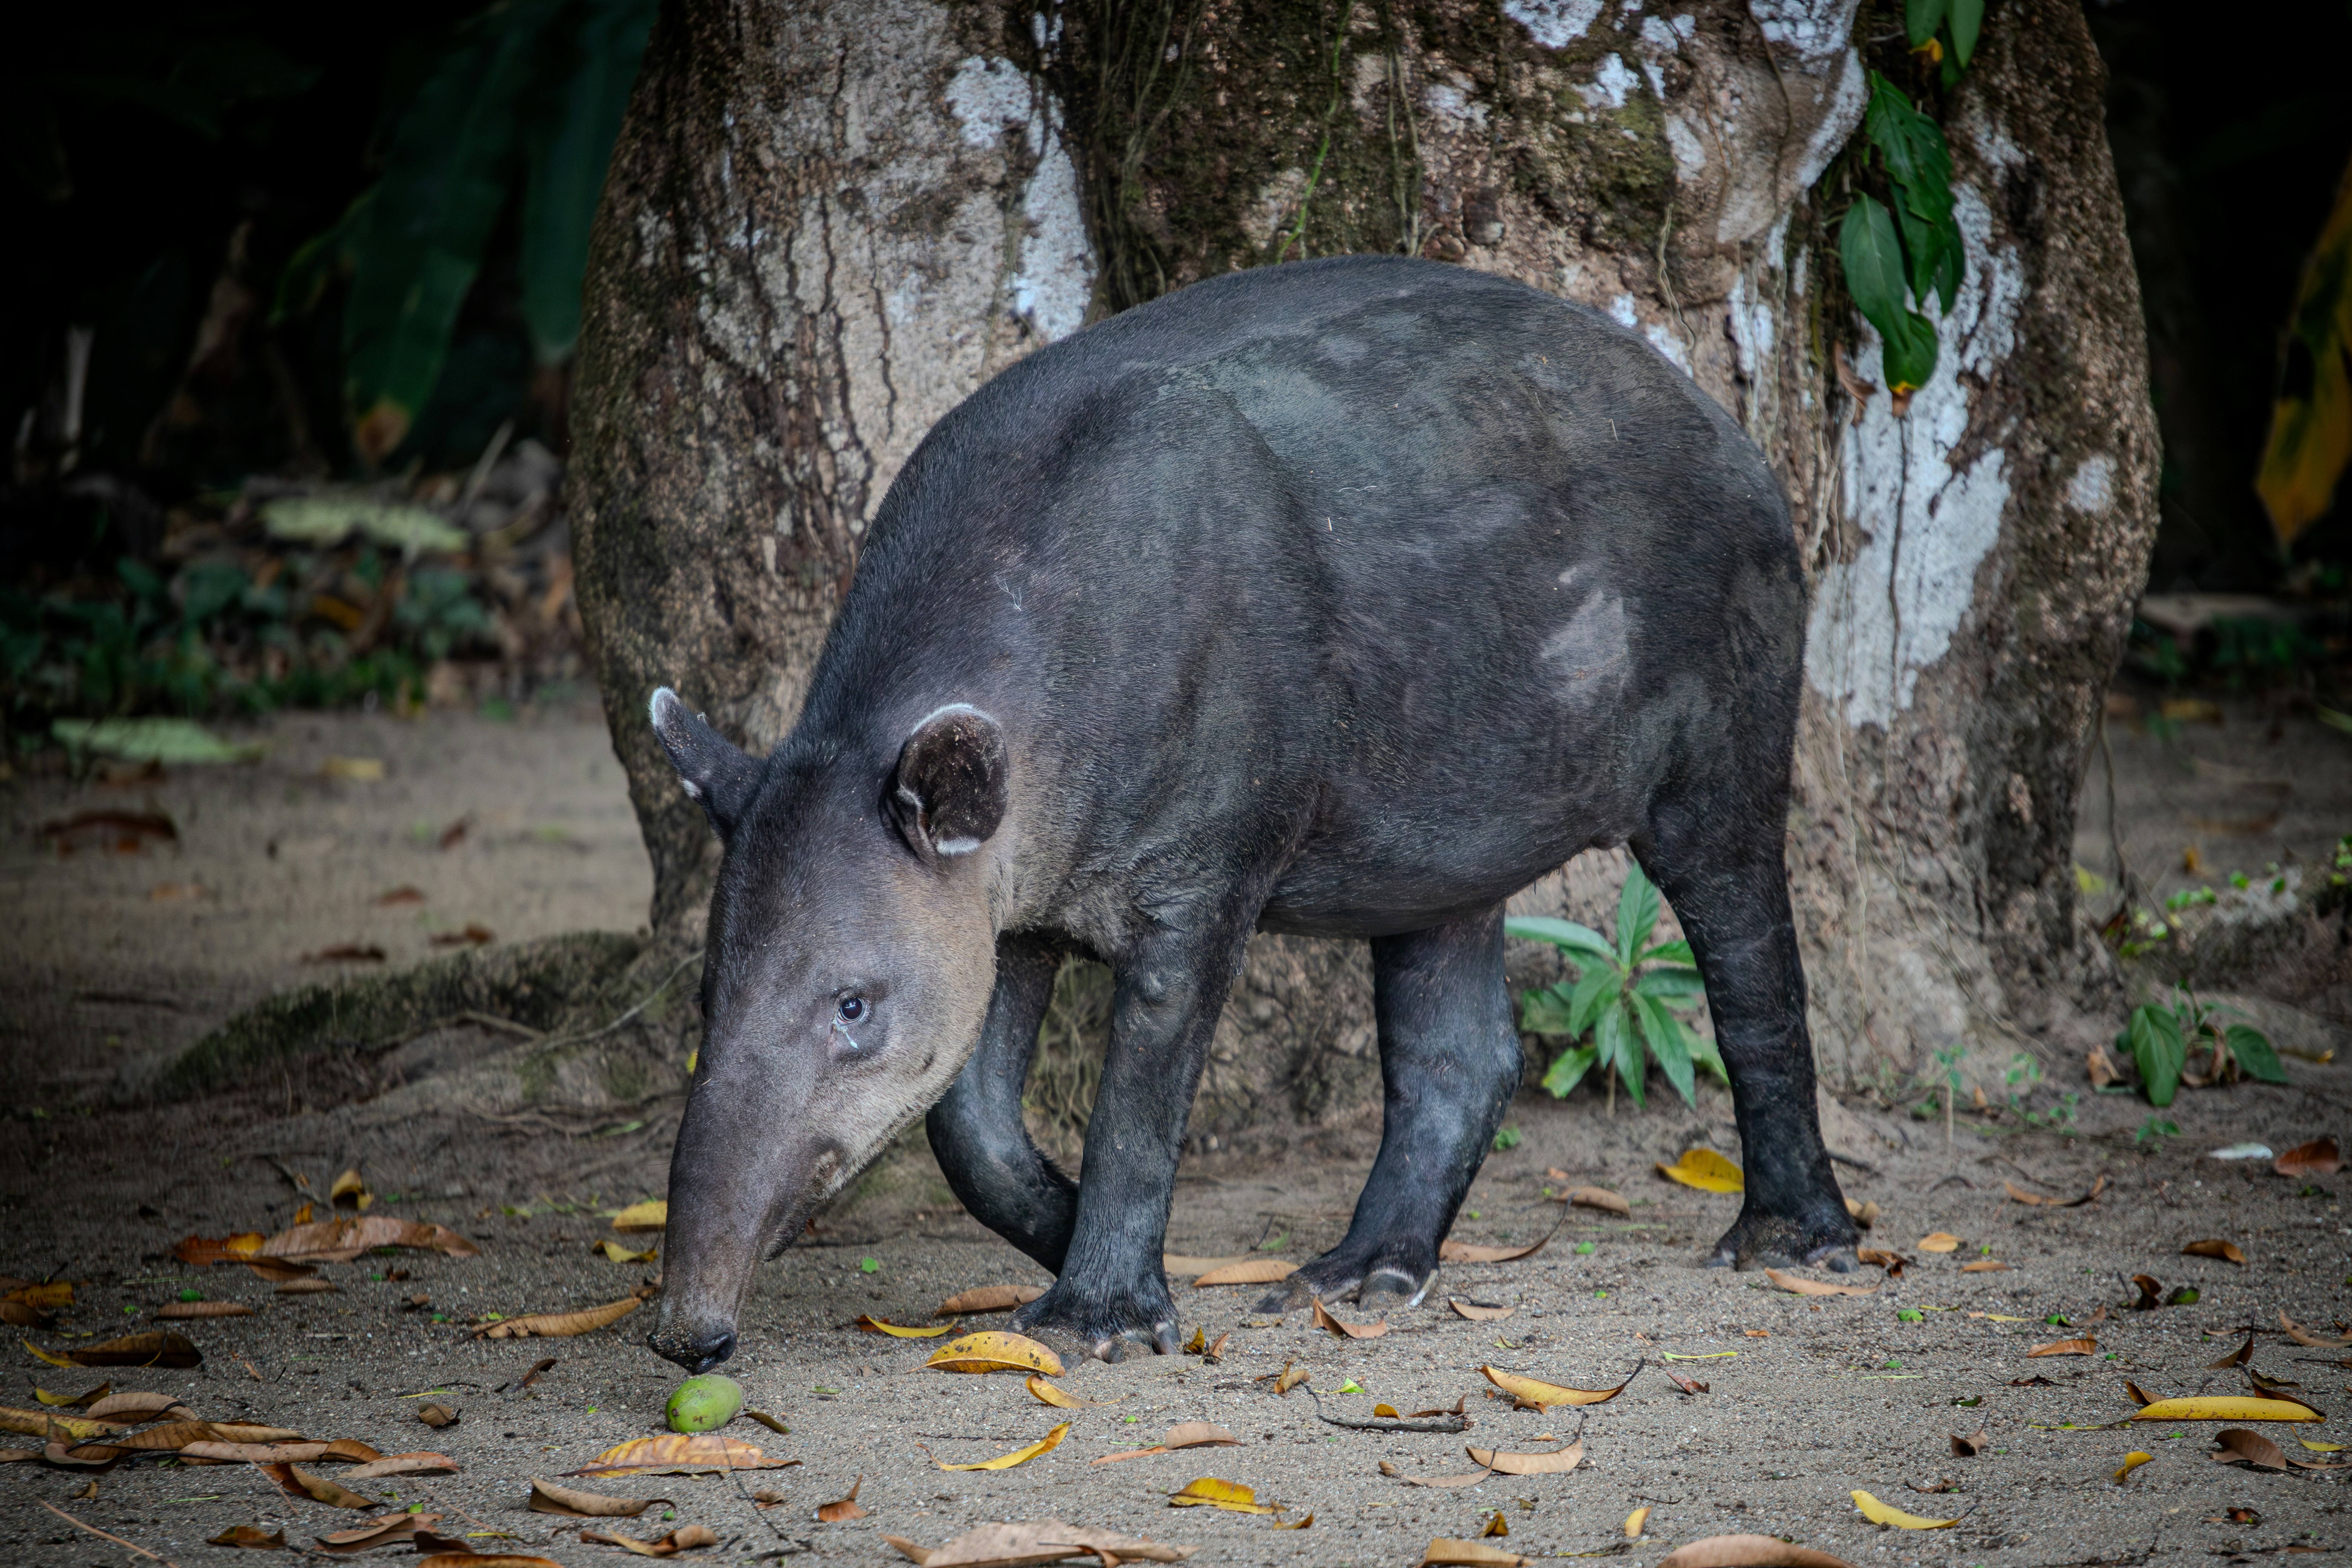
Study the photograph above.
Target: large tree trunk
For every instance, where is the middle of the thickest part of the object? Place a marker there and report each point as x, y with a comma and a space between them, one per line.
829, 220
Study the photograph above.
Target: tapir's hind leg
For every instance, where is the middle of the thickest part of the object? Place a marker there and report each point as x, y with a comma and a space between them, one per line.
998, 1174
1720, 864
1449, 1065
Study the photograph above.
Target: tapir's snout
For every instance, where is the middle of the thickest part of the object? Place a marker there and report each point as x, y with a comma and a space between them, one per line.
695, 1347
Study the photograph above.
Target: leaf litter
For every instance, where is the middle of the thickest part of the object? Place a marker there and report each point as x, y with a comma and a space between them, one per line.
1014, 1545
1232, 1497
1021, 1456
1183, 1434
1529, 1393
994, 1351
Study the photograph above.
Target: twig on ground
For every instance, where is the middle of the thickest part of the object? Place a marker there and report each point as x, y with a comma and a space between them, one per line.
95, 1530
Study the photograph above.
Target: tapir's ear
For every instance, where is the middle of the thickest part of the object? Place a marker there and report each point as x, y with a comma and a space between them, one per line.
948, 793
710, 766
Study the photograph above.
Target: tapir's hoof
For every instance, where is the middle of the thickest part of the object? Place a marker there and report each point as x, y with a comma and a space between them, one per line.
1772, 1241
1388, 1291
1104, 1329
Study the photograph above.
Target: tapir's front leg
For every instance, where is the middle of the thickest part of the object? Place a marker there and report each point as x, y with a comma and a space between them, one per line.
983, 1147
1167, 995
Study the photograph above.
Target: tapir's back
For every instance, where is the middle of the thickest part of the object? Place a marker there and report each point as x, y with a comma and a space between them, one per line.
1461, 556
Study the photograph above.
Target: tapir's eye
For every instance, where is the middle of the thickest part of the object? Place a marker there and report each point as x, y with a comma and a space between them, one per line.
853, 1008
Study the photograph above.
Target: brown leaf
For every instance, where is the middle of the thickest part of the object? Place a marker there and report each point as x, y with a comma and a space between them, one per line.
558, 1325
164, 1349
1199, 1435
1324, 1320
300, 1482
988, 1299
2019, 1195
1597, 1198
2240, 1446
1528, 1394
204, 1309
2100, 1067
2139, 1395
1453, 1251
305, 1284
539, 1369
844, 1508
1479, 1311
1798, 1285
1038, 1541
399, 1530
1894, 1263
1447, 1552
44, 1423
402, 1465
1748, 1552
2317, 1158
1939, 1241
2036, 1382
1215, 1353
2242, 1356
278, 1271
436, 1416
473, 934
1687, 1385
679, 1453
344, 1238
685, 1538
1557, 1462
2226, 1250
2304, 1336
346, 953
546, 1497
1249, 1271
280, 1453
1970, 1448
2151, 1292
1985, 1265
249, 1535
2065, 1347
347, 1192
1286, 1380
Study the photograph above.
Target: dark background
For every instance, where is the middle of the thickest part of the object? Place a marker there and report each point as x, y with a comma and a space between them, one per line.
140, 137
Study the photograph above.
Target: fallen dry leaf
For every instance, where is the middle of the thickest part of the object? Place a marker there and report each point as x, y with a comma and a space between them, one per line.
1021, 1456
651, 1215
204, 1309
1038, 1541
560, 1325
2225, 1250
164, 1349
1797, 1284
2227, 1407
1286, 1380
1748, 1552
305, 1284
1686, 1384
1446, 1553
1985, 1265
1210, 1492
1183, 1434
1530, 1394
1249, 1271
1878, 1512
2132, 1461
1496, 1526
2065, 1347
1969, 1448
842, 1508
2304, 1336
129, 1404
2018, 1194
45, 1297
2317, 1158
347, 1192
1479, 1311
1293, 1524
1557, 1462
1346, 1331
1939, 1241
250, 1535
1454, 1251
1894, 1263
342, 1240
569, 1502
2242, 1356
2240, 1446
988, 1299
300, 1482
2139, 1396
40, 1423
436, 1416
873, 1325
77, 1401
402, 1465
1597, 1198
1058, 1397
280, 1453
400, 1530
994, 1351
1705, 1170
1215, 1355
614, 1252
679, 1454
685, 1538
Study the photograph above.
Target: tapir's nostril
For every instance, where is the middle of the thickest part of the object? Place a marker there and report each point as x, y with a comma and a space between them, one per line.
695, 1354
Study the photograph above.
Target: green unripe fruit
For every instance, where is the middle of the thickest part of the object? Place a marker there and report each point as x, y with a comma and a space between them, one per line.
705, 1404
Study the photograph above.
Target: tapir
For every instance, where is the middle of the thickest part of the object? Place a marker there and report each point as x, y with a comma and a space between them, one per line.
1346, 598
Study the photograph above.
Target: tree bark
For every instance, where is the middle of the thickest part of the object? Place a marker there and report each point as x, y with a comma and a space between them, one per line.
829, 220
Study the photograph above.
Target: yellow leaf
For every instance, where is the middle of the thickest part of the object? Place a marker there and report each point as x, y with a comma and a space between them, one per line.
2226, 1407
1878, 1512
995, 1352
1635, 1521
1019, 1455
1705, 1170
1210, 1492
1296, 1523
618, 1253
1289, 1379
1387, 1412
2225, 1250
560, 1325
1941, 1241
651, 1215
1496, 1526
2133, 1461
876, 1326
679, 1453
2321, 1448
2311, 423
1060, 1398
349, 1191
1529, 1392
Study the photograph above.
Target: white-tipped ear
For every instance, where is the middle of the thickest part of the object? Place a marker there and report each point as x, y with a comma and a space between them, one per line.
949, 790
710, 769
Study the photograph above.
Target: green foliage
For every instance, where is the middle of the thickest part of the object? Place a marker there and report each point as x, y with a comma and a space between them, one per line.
1915, 251
1506, 1139
2164, 1036
529, 94
1625, 996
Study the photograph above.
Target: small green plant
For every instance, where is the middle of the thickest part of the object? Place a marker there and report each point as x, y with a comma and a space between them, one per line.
2154, 1129
1506, 1138
1625, 996
2164, 1037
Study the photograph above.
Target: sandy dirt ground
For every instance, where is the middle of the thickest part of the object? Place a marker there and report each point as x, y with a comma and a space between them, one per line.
1808, 1400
